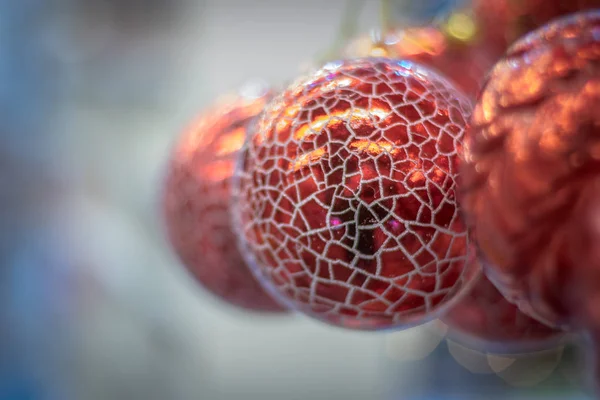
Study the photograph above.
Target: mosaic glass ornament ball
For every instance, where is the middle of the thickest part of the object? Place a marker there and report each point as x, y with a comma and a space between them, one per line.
484, 320
459, 56
529, 160
196, 198
345, 194
505, 21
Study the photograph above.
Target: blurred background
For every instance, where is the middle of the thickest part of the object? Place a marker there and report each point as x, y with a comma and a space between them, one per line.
93, 305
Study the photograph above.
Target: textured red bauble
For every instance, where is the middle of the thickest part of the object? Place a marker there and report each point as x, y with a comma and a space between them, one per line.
196, 201
529, 161
345, 200
484, 320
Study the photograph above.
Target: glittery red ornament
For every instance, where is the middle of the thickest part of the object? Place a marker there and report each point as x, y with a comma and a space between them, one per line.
197, 198
345, 200
463, 61
505, 21
485, 320
529, 159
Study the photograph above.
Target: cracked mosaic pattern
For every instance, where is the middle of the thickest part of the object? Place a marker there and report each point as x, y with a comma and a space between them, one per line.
196, 202
344, 194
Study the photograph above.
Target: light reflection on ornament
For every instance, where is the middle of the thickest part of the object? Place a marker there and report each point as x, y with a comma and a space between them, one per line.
461, 27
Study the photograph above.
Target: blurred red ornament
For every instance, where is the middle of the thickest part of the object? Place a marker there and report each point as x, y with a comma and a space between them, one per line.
505, 21
454, 49
197, 199
345, 200
486, 321
529, 160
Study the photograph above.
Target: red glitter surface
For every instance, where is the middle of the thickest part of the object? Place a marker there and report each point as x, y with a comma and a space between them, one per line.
345, 200
529, 161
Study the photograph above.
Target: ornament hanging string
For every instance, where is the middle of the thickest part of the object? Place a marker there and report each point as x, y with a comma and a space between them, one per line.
390, 21
386, 20
348, 28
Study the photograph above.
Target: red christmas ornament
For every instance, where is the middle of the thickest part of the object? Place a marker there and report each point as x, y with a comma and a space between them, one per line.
485, 320
505, 21
459, 55
197, 198
345, 199
529, 163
